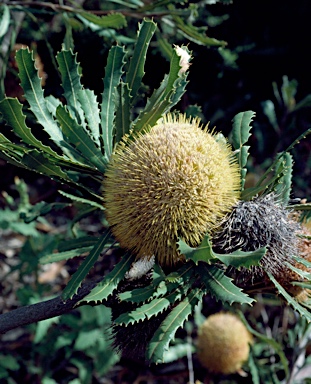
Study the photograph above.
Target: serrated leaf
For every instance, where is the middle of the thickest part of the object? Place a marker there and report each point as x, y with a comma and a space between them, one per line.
54, 257
163, 98
146, 311
11, 110
166, 332
171, 291
282, 186
52, 103
35, 160
220, 286
185, 276
240, 134
123, 114
69, 70
239, 259
110, 282
205, 253
113, 20
113, 73
290, 300
89, 104
137, 63
77, 278
140, 295
275, 162
31, 84
79, 138
82, 200
248, 193
300, 272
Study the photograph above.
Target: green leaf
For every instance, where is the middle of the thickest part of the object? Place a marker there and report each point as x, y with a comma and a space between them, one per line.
54, 257
84, 241
89, 104
304, 274
301, 207
35, 160
242, 259
52, 103
83, 270
275, 162
78, 137
110, 282
34, 95
166, 332
282, 186
113, 73
137, 63
193, 33
11, 110
146, 311
164, 46
303, 261
123, 114
4, 20
205, 253
175, 286
140, 295
40, 209
240, 135
82, 200
290, 300
69, 70
163, 98
220, 286
113, 20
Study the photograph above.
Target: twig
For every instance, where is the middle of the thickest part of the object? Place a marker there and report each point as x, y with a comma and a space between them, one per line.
41, 311
67, 8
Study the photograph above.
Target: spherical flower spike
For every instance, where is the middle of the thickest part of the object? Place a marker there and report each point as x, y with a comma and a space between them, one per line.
173, 180
223, 343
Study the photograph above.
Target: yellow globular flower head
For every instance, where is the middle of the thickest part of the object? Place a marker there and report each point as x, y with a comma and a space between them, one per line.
175, 180
223, 343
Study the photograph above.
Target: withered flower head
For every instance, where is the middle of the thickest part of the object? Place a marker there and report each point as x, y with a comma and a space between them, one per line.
223, 343
262, 222
174, 180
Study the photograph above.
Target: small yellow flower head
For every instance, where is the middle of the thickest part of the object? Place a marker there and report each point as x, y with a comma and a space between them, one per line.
223, 343
174, 180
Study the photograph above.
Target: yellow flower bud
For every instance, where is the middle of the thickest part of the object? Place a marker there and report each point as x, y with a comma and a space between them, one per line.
223, 343
174, 180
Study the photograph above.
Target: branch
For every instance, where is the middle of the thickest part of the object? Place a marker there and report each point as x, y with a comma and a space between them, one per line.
42, 311
67, 8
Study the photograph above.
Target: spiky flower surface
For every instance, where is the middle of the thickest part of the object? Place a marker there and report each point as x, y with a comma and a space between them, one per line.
223, 343
259, 223
174, 180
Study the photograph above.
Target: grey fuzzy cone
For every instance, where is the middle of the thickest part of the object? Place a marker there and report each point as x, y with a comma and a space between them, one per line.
262, 222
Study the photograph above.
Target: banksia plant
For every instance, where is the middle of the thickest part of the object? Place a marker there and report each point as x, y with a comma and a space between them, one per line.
171, 190
174, 180
223, 343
